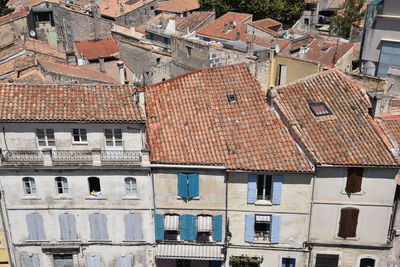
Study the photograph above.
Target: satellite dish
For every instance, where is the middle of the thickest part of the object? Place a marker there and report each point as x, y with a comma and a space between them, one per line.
32, 33
277, 49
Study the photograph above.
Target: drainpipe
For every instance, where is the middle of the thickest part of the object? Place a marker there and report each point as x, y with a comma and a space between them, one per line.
227, 232
309, 222
7, 231
120, 65
394, 214
153, 215
101, 64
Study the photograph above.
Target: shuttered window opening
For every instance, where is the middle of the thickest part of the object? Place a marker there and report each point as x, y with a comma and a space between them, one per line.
124, 261
31, 261
171, 222
262, 227
265, 228
188, 185
204, 223
354, 180
259, 187
188, 229
133, 226
35, 226
327, 260
67, 226
98, 226
348, 222
94, 261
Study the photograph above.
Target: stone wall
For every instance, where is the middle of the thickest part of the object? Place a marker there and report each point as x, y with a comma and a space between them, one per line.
138, 16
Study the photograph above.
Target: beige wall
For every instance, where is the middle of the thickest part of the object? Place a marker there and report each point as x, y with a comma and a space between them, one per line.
345, 62
14, 28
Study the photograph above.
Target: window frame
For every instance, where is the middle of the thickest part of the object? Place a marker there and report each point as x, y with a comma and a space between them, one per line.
99, 193
267, 239
343, 231
209, 234
353, 186
327, 255
113, 139
46, 138
64, 185
80, 135
131, 186
168, 232
264, 196
29, 182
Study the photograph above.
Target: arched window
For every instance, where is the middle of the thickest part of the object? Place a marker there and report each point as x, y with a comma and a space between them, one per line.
29, 185
62, 185
94, 186
130, 186
367, 262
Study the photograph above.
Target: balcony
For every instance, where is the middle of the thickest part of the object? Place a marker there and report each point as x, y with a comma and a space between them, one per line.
49, 157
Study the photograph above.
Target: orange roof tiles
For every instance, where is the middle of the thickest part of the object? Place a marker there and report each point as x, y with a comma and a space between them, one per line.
27, 102
191, 121
76, 71
348, 136
266, 25
178, 6
216, 28
193, 21
93, 49
13, 16
113, 8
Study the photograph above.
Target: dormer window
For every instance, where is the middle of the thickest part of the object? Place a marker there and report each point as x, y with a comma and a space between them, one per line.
320, 109
231, 97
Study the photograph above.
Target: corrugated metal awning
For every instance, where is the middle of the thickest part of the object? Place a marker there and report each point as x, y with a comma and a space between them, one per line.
171, 222
204, 223
190, 252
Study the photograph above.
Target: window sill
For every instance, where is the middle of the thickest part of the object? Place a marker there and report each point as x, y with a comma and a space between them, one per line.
38, 241
347, 238
261, 242
353, 194
80, 143
133, 241
31, 198
63, 198
95, 198
100, 241
263, 203
184, 198
71, 241
131, 198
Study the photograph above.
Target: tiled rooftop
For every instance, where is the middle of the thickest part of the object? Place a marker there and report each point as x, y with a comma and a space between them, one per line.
348, 136
112, 8
27, 102
178, 6
193, 21
13, 16
93, 49
191, 121
267, 25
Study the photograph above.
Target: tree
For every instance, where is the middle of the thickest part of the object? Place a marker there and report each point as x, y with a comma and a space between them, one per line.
282, 10
3, 9
351, 11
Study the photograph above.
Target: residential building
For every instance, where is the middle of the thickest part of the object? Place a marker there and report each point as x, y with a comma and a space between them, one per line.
181, 8
76, 187
93, 50
11, 27
380, 46
225, 191
328, 115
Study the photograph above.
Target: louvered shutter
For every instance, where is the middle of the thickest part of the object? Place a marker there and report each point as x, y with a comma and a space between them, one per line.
129, 226
217, 228
124, 261
98, 226
39, 227
276, 189
67, 226
30, 222
348, 222
276, 228
103, 226
249, 227
137, 226
193, 185
192, 227
31, 261
182, 185
354, 180
159, 225
35, 226
252, 188
94, 261
185, 224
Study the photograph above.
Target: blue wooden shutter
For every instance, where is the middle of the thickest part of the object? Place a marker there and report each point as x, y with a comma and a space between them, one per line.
159, 225
31, 261
94, 261
182, 185
292, 262
252, 189
288, 262
276, 228
124, 261
129, 226
192, 227
103, 226
187, 227
30, 222
276, 189
94, 227
217, 228
193, 185
137, 226
249, 228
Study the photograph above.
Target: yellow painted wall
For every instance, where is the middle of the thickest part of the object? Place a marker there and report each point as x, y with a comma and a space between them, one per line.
4, 258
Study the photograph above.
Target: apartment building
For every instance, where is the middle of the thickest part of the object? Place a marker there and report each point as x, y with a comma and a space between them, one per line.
74, 183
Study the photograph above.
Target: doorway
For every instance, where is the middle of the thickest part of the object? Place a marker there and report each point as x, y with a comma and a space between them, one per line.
63, 260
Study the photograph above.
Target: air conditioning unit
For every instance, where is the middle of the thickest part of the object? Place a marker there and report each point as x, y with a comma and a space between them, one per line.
397, 232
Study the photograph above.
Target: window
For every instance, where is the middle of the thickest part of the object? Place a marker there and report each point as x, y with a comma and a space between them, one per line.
133, 226
130, 186
171, 227
29, 185
158, 60
354, 180
326, 260
124, 261
166, 41
348, 222
264, 186
98, 226
31, 261
94, 261
79, 135
45, 137
231, 97
94, 186
67, 226
188, 185
288, 262
151, 7
306, 21
262, 227
367, 262
319, 109
204, 228
113, 137
61, 185
63, 260
390, 56
282, 74
35, 226
189, 51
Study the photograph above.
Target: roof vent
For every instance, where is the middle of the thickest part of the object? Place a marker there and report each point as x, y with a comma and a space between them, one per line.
320, 109
231, 97
325, 49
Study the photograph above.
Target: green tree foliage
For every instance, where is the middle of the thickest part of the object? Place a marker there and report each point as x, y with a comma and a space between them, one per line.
350, 12
3, 9
282, 10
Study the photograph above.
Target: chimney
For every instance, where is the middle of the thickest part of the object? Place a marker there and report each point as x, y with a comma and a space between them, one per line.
121, 9
226, 28
71, 58
302, 52
380, 104
237, 36
271, 94
101, 64
120, 65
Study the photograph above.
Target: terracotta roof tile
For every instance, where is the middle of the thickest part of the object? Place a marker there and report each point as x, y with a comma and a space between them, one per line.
112, 8
193, 21
13, 16
348, 136
93, 49
216, 28
32, 77
266, 25
18, 64
76, 71
191, 121
178, 6
27, 102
